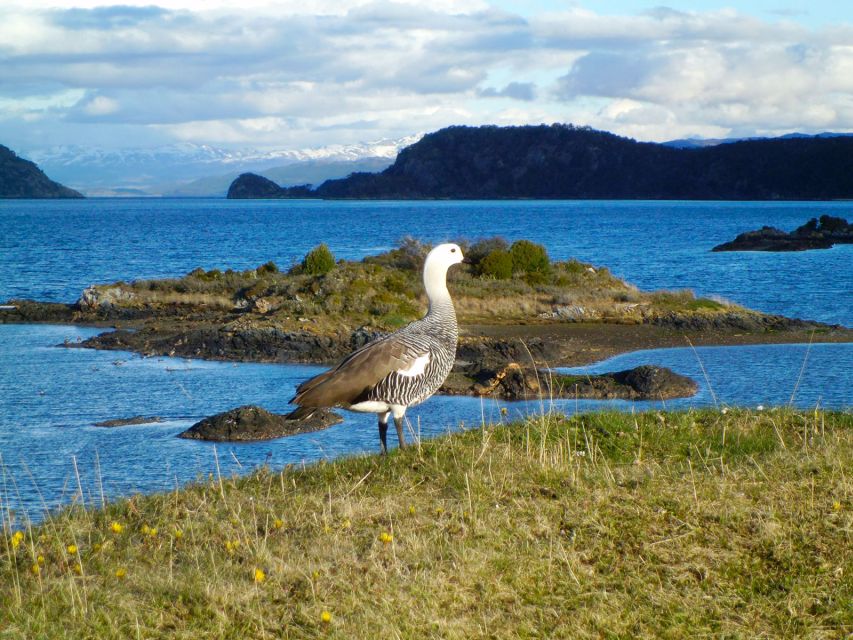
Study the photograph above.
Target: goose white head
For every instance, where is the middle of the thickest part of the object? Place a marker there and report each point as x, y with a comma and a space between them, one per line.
438, 261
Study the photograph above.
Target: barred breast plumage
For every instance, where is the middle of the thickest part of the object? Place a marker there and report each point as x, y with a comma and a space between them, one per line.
400, 370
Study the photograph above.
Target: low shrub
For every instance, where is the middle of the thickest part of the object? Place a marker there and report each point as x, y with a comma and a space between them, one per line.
529, 257
319, 261
497, 264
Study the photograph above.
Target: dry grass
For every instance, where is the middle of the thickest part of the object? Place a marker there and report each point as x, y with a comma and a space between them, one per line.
385, 291
689, 524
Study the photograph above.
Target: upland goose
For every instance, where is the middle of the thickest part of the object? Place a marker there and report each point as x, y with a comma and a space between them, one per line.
403, 369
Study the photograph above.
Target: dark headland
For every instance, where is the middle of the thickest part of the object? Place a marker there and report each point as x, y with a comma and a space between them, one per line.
21, 178
564, 161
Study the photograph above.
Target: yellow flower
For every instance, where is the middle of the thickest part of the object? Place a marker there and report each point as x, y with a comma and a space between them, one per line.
117, 527
146, 529
504, 411
72, 549
411, 509
836, 506
326, 617
40, 559
278, 523
78, 569
36, 569
315, 574
231, 546
346, 524
385, 537
260, 576
178, 534
16, 539
96, 547
121, 573
152, 531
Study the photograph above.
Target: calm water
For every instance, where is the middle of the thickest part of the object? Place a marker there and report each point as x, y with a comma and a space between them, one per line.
51, 250
50, 397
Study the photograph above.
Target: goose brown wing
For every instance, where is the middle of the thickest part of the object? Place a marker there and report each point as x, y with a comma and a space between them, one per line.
357, 373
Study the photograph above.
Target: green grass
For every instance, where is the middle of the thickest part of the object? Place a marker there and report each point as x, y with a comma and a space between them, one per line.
673, 525
385, 291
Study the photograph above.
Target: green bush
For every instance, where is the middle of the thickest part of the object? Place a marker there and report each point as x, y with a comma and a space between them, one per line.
318, 261
483, 247
497, 264
271, 267
529, 257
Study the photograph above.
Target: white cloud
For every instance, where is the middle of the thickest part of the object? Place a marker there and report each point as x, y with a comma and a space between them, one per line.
274, 73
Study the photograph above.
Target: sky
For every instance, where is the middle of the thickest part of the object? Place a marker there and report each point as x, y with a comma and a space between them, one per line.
297, 74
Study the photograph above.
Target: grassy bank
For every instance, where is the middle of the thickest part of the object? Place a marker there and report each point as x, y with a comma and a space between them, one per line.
690, 524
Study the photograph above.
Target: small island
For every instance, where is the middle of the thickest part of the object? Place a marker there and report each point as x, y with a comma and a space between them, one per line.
820, 233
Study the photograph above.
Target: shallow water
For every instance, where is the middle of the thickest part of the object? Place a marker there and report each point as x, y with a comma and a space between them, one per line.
50, 396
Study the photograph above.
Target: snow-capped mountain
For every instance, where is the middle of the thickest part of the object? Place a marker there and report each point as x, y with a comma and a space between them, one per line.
159, 170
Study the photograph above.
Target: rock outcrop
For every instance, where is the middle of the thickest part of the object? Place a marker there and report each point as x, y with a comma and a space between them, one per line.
250, 423
126, 422
820, 233
516, 382
21, 178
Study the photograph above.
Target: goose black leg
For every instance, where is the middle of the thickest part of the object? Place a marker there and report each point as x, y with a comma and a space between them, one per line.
383, 432
398, 422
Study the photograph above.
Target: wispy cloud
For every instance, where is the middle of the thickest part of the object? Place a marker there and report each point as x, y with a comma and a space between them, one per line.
287, 74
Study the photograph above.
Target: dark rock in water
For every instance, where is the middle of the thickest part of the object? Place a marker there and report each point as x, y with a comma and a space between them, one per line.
250, 423
820, 233
123, 422
515, 382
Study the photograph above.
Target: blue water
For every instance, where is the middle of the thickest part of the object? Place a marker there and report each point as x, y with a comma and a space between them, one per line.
50, 397
51, 250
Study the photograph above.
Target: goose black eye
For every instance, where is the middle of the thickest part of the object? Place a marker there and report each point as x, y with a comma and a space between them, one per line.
453, 251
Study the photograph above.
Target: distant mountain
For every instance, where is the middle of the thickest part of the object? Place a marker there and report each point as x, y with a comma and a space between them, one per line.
21, 178
563, 161
171, 169
692, 143
306, 172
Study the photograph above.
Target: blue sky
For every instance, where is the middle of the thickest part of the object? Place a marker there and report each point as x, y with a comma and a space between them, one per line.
291, 74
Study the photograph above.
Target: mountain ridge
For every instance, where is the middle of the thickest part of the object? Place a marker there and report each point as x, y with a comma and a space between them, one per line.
562, 161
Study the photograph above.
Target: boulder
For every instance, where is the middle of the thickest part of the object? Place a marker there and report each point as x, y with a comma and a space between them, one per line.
517, 382
250, 423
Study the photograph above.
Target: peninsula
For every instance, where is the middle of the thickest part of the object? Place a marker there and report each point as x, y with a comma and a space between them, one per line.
21, 178
568, 162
